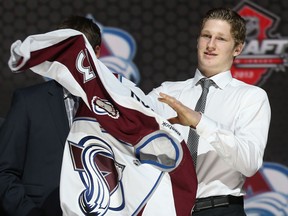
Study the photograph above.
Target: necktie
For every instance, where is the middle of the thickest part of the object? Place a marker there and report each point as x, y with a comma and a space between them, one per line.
193, 137
71, 104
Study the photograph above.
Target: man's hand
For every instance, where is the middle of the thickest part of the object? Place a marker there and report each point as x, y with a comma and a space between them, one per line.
185, 115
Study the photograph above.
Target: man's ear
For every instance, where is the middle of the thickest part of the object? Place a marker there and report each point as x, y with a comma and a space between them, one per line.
97, 51
238, 49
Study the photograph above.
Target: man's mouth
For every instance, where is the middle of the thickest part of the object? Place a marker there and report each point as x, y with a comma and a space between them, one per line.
210, 54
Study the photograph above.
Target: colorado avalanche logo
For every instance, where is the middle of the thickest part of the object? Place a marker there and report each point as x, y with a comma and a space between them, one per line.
267, 191
104, 107
101, 175
264, 52
118, 49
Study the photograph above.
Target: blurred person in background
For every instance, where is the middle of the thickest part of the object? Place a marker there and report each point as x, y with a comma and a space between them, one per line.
32, 140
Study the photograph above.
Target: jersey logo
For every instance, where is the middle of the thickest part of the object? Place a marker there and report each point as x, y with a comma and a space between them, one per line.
101, 176
104, 107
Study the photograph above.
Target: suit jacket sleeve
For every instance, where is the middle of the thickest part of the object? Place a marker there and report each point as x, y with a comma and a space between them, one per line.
13, 138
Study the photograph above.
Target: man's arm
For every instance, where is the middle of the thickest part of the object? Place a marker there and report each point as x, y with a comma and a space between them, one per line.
185, 115
242, 148
13, 143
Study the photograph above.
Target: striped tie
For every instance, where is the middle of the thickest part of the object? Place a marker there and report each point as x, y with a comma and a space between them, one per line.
193, 137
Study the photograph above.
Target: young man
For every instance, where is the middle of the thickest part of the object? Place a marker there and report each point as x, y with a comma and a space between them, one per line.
32, 140
233, 129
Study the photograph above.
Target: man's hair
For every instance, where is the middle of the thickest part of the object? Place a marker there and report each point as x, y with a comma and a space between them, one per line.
237, 23
90, 29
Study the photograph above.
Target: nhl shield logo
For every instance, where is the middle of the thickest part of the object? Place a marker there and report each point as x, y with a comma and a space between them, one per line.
264, 51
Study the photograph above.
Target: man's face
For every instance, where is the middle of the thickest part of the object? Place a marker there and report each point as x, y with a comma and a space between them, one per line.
216, 47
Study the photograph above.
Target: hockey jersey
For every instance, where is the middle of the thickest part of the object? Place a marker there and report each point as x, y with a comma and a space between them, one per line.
120, 157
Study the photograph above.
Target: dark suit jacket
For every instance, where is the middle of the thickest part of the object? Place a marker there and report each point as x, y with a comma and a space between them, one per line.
32, 140
1, 121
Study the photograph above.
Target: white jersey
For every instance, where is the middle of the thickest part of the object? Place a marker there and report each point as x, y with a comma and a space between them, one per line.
120, 158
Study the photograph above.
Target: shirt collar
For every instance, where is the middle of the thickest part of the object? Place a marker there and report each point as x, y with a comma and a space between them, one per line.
66, 93
221, 79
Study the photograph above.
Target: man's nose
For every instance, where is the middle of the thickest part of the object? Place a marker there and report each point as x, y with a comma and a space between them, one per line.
211, 43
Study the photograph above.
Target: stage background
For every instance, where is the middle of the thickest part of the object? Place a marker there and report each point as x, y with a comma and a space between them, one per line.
158, 40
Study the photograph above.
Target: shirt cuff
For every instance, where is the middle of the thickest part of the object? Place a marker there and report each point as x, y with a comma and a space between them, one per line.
206, 127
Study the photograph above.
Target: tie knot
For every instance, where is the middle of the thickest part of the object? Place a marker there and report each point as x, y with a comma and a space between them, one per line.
70, 96
206, 83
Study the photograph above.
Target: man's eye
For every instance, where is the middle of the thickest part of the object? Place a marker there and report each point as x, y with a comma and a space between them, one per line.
206, 36
221, 38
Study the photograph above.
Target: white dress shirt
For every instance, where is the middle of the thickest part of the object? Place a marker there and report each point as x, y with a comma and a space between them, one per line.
233, 130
